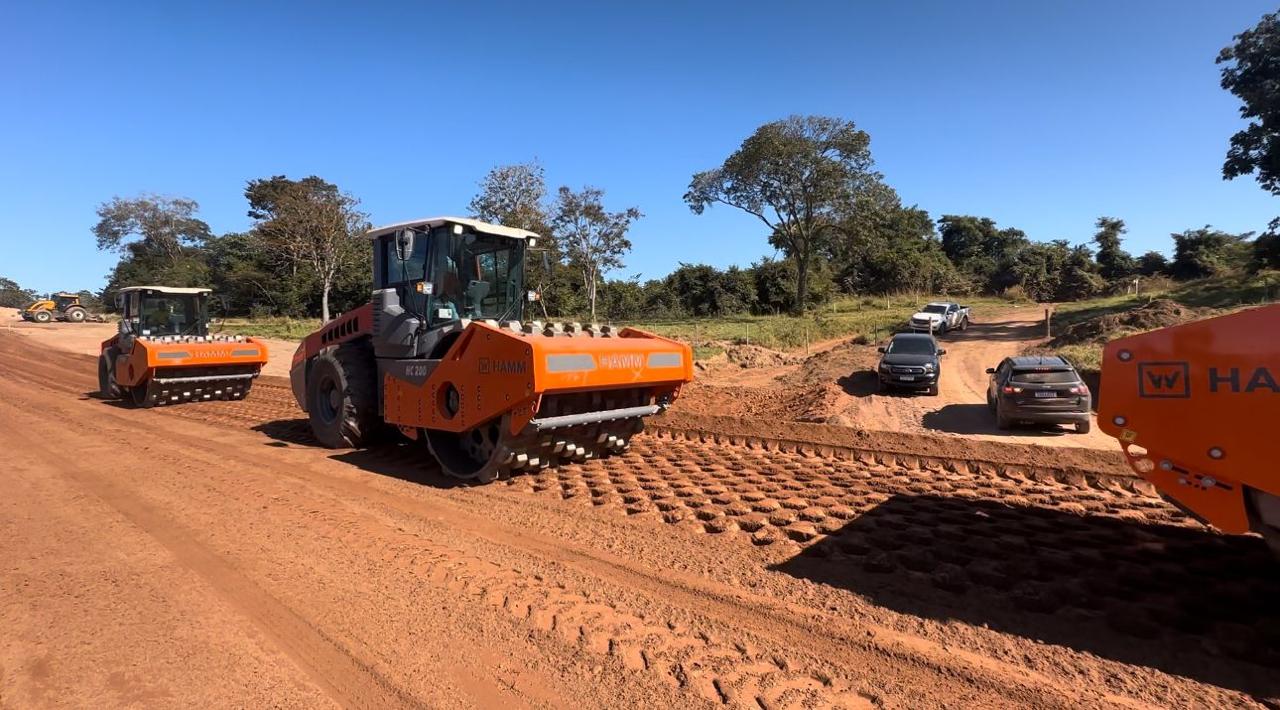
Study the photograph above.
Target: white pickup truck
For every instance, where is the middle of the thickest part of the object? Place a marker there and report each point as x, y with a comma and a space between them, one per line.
940, 316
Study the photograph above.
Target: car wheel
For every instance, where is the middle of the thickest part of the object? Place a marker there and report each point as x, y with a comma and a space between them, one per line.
933, 390
43, 316
1084, 427
1003, 423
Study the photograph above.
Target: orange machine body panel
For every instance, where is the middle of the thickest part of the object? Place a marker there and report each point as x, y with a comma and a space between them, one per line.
1203, 400
149, 356
497, 371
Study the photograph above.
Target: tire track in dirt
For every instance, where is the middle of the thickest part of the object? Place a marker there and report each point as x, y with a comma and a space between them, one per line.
718, 671
706, 487
734, 668
346, 678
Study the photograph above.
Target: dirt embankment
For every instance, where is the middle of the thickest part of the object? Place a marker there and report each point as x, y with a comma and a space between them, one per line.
1159, 313
838, 386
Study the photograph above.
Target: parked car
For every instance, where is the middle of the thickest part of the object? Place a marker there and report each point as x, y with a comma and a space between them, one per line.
910, 361
1039, 390
940, 316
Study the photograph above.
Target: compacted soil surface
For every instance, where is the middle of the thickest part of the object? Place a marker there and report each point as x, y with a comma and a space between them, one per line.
211, 555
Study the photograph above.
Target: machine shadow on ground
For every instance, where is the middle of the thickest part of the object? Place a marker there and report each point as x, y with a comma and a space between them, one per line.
1184, 601
978, 419
395, 457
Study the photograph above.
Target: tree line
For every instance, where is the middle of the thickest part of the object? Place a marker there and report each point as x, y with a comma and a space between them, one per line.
811, 181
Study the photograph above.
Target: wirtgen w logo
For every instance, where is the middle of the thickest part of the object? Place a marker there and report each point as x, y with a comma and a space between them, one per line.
1164, 379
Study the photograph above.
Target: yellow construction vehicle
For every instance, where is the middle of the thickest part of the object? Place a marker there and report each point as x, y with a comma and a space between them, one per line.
63, 306
443, 353
1195, 408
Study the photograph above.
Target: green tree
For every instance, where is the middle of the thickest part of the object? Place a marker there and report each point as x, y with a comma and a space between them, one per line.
515, 196
703, 290
1080, 278
1209, 252
158, 239
150, 225
1266, 251
310, 227
594, 240
1113, 262
1153, 263
798, 176
981, 250
14, 296
1251, 71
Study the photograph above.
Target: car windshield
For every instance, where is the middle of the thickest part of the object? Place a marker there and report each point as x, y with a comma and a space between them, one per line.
168, 314
1041, 377
931, 308
479, 276
911, 346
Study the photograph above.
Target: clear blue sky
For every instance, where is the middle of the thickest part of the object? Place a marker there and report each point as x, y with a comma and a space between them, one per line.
1040, 115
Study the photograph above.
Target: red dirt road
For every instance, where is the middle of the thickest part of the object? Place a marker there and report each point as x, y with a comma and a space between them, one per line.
211, 555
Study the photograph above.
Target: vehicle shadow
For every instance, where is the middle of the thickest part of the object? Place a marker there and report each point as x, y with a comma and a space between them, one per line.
1178, 599
865, 383
978, 419
394, 456
995, 332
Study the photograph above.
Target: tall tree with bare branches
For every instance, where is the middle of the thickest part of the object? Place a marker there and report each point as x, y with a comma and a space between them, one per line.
593, 239
310, 225
801, 176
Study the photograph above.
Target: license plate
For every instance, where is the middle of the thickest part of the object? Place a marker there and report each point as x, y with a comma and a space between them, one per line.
1046, 394
907, 378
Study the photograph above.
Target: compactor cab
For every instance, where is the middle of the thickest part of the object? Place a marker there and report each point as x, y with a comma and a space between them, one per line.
164, 353
444, 353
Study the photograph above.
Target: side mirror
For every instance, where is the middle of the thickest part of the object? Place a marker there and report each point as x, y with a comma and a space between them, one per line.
881, 349
942, 351
404, 244
991, 370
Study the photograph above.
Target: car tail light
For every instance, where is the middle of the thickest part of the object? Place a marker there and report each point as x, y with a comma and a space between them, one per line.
1008, 389
1079, 389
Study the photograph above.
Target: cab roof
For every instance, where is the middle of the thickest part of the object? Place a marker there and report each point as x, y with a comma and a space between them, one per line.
913, 336
166, 289
475, 224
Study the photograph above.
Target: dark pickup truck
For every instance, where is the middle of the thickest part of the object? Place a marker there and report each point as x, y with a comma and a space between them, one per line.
910, 361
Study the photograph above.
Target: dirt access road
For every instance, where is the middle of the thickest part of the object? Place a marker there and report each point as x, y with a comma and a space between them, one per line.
838, 385
210, 555
86, 339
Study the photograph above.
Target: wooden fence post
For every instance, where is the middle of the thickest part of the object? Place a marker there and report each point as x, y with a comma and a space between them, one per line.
1048, 329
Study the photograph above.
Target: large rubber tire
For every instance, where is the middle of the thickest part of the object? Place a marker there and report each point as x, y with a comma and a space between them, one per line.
75, 314
107, 387
144, 395
42, 316
933, 390
342, 396
1003, 423
1084, 427
991, 402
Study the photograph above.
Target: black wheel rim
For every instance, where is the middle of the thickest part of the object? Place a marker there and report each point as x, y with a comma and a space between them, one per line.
328, 399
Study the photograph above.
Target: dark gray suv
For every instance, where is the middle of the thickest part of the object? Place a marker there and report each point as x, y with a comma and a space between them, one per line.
1039, 390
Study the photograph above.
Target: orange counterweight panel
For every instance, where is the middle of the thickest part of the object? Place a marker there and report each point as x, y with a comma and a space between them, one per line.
490, 371
1195, 407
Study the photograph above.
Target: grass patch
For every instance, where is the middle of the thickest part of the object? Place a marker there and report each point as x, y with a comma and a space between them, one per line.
872, 317
1217, 293
278, 328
